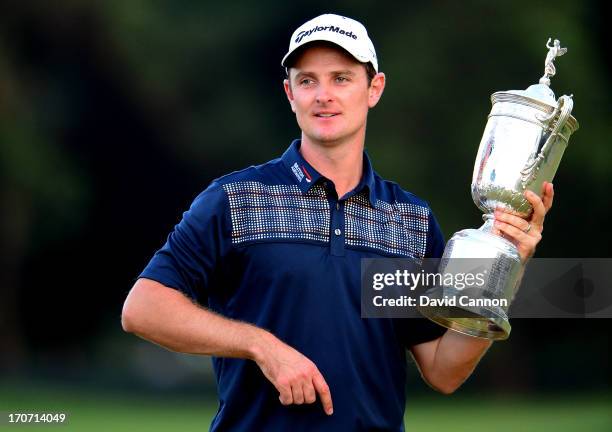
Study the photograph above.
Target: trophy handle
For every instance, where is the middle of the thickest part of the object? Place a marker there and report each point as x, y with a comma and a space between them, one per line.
562, 113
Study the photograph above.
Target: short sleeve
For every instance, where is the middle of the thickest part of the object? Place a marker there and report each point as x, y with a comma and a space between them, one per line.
435, 238
188, 259
414, 331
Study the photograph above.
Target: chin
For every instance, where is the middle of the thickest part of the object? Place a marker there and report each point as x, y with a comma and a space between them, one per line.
327, 136
327, 140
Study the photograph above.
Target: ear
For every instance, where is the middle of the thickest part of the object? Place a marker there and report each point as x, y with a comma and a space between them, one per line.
289, 93
376, 89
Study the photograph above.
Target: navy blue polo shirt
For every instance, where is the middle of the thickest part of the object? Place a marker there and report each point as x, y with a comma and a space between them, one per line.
274, 246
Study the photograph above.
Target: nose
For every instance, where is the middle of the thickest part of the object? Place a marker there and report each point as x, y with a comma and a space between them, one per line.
324, 94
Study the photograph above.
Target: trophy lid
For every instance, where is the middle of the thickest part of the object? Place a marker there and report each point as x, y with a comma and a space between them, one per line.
541, 92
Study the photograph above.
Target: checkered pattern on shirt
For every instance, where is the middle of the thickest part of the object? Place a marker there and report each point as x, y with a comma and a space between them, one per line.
261, 212
395, 228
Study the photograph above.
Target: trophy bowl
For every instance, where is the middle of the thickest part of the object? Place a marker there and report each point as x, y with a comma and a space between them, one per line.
521, 147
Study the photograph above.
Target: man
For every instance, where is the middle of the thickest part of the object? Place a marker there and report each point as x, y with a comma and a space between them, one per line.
273, 252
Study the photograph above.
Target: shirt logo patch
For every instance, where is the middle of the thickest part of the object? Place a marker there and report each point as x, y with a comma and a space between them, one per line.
297, 172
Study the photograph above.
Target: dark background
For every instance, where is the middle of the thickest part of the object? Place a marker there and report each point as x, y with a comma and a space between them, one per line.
114, 115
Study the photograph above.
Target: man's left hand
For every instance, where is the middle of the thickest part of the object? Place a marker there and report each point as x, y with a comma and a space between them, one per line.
525, 234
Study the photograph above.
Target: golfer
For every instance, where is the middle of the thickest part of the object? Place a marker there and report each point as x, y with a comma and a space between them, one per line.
263, 271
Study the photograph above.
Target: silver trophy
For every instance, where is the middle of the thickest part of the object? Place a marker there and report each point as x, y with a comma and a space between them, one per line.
521, 147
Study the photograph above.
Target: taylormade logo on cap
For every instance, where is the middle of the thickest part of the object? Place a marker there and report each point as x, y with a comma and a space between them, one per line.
302, 34
345, 32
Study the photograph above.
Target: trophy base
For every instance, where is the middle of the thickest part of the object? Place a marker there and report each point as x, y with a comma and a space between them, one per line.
476, 327
469, 323
490, 255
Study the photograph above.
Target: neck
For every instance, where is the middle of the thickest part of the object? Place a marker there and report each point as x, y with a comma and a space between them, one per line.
342, 164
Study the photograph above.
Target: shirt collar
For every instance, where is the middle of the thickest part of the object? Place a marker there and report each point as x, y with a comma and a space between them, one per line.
305, 176
369, 178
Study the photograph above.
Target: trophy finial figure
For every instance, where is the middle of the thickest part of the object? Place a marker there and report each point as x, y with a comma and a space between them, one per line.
554, 51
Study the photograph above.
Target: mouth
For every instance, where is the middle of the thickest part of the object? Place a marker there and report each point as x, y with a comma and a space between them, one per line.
326, 115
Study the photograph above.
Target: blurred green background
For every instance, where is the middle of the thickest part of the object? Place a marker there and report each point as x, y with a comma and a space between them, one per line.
115, 114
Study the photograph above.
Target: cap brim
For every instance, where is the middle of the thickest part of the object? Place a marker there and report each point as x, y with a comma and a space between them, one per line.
285, 62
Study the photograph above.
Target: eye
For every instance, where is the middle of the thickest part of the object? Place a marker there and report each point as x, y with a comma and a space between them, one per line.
304, 82
342, 79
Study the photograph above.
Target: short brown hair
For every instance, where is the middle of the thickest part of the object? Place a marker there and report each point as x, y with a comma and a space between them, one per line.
370, 72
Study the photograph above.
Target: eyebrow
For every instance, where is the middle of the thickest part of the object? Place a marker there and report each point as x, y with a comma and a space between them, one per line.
343, 72
333, 73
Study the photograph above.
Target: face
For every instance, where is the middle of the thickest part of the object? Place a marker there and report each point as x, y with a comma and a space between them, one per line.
329, 94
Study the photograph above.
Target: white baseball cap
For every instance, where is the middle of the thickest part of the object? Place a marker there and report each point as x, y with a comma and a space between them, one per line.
342, 31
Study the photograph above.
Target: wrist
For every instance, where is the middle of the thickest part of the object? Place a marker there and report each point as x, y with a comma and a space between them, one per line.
259, 341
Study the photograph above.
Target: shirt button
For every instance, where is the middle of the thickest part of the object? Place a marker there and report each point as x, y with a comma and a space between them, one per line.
337, 231
337, 206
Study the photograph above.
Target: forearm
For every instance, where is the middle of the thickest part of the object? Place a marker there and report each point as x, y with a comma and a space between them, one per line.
445, 363
168, 318
456, 358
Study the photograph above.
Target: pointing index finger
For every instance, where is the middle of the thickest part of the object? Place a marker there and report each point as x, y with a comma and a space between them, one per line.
323, 389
